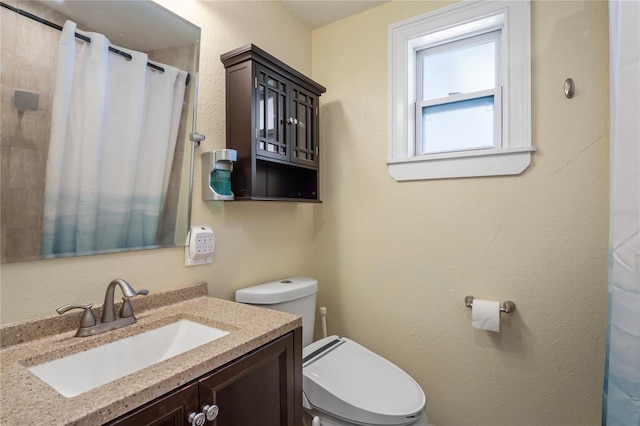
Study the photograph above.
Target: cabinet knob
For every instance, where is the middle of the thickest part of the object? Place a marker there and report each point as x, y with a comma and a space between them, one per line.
210, 412
197, 419
292, 120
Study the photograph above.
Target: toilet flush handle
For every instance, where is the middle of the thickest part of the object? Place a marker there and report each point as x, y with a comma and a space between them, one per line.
316, 421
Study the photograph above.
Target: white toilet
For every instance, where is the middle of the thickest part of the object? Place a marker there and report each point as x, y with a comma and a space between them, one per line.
344, 383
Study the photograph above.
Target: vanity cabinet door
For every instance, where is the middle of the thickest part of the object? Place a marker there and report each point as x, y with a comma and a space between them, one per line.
262, 388
172, 409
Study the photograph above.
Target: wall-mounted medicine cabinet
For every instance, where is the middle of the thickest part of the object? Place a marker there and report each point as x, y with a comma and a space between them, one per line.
272, 117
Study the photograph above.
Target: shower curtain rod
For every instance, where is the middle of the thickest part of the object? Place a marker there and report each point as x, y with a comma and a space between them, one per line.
80, 36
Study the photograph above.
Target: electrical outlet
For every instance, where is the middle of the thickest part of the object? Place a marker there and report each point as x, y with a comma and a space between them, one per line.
200, 246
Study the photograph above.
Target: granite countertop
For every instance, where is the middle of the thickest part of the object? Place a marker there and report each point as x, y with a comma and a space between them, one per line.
25, 399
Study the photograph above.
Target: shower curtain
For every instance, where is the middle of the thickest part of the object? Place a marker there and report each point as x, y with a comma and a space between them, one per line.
621, 396
113, 134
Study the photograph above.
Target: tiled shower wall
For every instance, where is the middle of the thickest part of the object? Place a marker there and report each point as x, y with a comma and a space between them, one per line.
27, 53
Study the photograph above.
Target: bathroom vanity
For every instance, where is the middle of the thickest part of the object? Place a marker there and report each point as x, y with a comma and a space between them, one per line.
253, 375
256, 389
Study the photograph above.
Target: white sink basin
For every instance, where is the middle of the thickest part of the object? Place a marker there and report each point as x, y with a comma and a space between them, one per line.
81, 372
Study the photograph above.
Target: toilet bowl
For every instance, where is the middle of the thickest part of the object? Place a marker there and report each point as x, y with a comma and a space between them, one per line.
343, 382
348, 382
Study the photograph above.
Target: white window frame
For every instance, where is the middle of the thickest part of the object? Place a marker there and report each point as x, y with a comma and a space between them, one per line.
462, 20
496, 92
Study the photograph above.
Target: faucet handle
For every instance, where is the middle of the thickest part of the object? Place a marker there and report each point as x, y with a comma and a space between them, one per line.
126, 310
88, 320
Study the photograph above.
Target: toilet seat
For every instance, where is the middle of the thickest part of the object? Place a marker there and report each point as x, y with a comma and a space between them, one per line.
350, 382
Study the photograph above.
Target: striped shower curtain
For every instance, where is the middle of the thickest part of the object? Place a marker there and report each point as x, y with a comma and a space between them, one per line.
113, 134
621, 398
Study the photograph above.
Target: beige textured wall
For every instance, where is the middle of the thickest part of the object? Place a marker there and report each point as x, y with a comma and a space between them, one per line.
395, 260
255, 241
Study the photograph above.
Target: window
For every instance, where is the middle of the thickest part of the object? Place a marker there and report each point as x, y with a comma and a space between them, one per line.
457, 83
460, 92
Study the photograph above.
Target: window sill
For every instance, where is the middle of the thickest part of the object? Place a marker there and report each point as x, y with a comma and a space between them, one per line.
490, 162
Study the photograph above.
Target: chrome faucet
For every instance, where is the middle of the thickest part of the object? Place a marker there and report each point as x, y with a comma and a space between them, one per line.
109, 321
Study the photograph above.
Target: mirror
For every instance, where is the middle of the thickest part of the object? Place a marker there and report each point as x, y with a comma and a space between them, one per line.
31, 143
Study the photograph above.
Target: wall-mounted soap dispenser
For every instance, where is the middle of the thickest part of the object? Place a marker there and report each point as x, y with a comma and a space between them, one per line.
216, 174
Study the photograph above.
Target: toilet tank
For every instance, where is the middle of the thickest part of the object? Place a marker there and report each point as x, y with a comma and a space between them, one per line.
295, 295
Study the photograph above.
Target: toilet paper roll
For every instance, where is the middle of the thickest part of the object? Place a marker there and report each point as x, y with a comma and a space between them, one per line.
485, 315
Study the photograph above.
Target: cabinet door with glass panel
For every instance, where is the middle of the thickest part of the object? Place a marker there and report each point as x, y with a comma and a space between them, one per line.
273, 115
304, 135
286, 118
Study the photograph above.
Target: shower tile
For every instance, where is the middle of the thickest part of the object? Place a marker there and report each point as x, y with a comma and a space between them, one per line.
8, 48
8, 30
7, 209
27, 31
6, 154
26, 73
3, 245
41, 52
27, 168
22, 208
27, 64
22, 243
6, 123
27, 129
8, 77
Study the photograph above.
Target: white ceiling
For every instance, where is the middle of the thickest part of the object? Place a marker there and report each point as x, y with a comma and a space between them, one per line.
317, 13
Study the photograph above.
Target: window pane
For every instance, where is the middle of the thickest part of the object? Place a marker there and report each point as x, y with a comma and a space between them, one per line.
464, 70
458, 125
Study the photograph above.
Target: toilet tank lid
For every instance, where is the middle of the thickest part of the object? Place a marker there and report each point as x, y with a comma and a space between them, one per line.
283, 290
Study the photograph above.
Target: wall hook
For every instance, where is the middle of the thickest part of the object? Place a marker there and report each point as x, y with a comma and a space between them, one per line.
569, 88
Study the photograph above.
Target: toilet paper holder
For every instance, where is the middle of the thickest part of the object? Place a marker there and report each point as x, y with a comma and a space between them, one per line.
506, 307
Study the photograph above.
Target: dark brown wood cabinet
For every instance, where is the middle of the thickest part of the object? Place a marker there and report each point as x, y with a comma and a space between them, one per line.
272, 117
261, 388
